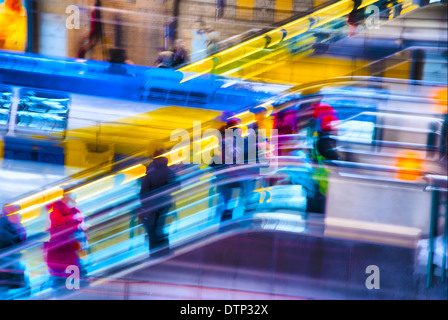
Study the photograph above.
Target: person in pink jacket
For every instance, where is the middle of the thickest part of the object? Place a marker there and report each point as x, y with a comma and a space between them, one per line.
67, 237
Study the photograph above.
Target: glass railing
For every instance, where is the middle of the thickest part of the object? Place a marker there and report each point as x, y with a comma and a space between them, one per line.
353, 107
438, 228
278, 203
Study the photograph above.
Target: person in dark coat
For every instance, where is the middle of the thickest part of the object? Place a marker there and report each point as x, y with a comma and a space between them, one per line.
12, 233
153, 211
234, 153
164, 59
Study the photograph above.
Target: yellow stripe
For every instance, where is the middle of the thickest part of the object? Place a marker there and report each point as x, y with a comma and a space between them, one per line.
317, 3
310, 69
245, 9
283, 9
146, 131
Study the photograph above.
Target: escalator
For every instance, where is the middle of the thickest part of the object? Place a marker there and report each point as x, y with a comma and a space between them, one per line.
275, 213
274, 248
298, 37
370, 51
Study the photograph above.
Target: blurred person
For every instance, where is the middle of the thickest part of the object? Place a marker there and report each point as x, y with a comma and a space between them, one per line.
326, 121
151, 214
164, 59
12, 233
305, 177
118, 58
212, 41
315, 199
119, 55
320, 120
234, 151
199, 41
90, 40
67, 238
13, 25
170, 30
285, 122
355, 17
220, 6
263, 127
439, 98
305, 119
180, 54
263, 120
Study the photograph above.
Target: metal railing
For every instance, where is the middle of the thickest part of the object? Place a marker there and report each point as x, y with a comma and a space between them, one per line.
196, 182
437, 185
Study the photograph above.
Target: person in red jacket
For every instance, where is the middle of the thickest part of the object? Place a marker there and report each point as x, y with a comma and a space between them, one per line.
67, 237
327, 120
95, 32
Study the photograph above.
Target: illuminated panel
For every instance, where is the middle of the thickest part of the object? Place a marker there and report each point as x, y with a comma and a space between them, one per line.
41, 111
5, 106
245, 9
410, 164
13, 25
439, 100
